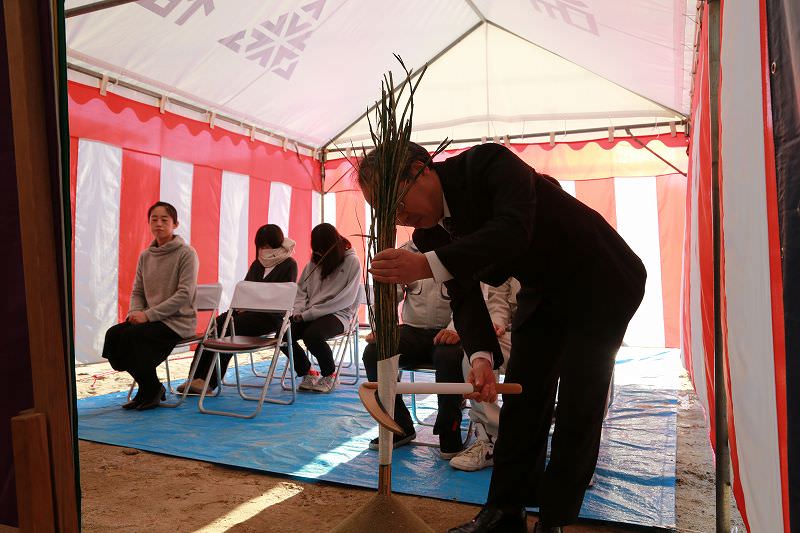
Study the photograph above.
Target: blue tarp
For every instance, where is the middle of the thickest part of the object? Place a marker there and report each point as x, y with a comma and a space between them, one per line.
325, 437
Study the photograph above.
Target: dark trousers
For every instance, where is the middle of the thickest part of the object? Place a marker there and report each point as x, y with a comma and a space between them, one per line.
138, 349
544, 349
245, 323
417, 349
315, 335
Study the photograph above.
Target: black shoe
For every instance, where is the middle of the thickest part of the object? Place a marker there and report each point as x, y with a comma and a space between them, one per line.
450, 444
134, 402
154, 401
539, 528
397, 442
493, 520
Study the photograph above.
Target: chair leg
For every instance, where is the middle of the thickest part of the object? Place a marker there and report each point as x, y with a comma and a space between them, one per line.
169, 379
352, 362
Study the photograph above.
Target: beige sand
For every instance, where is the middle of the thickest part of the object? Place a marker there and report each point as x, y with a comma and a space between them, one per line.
126, 490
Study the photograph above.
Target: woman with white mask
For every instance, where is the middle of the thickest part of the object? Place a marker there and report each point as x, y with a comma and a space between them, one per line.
273, 264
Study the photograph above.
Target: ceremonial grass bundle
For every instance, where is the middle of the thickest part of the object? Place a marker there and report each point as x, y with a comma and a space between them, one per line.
385, 188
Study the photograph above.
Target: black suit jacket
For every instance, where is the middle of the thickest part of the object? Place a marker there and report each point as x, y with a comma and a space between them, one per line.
508, 220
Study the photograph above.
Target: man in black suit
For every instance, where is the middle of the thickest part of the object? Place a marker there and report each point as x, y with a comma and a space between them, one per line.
485, 215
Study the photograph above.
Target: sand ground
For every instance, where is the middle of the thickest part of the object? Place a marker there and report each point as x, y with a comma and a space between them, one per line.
127, 490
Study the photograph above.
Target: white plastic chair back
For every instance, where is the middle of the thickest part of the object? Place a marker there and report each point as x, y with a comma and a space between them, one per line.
208, 297
259, 296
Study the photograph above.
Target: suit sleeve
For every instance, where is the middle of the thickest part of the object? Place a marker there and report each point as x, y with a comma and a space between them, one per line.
470, 315
509, 186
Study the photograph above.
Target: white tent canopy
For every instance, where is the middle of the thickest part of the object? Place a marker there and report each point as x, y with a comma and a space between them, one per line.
308, 69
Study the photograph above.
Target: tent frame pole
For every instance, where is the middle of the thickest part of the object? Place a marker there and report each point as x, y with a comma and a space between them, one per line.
722, 456
523, 136
323, 157
413, 76
643, 145
94, 7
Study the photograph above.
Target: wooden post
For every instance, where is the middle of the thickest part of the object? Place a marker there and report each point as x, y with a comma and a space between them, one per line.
40, 226
32, 470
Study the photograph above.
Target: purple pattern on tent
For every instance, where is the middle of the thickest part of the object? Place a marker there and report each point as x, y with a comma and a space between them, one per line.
276, 44
570, 12
164, 8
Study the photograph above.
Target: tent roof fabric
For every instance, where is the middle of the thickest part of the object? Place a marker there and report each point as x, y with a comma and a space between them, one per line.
308, 69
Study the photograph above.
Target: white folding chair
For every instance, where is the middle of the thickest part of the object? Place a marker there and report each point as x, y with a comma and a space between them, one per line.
207, 299
263, 298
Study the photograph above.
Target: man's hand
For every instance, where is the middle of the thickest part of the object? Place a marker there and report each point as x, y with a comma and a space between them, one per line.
137, 317
394, 265
499, 330
446, 336
482, 378
370, 338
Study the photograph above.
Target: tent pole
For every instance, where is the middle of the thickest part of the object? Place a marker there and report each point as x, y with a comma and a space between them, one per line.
545, 134
323, 156
96, 6
723, 465
189, 106
640, 143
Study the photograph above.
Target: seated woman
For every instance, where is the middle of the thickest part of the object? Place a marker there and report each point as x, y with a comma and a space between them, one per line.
162, 308
327, 299
273, 264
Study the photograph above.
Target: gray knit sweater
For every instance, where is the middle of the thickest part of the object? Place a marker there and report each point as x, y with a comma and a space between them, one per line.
165, 285
335, 295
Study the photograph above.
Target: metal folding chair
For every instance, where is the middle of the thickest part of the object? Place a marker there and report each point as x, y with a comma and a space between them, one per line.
207, 299
263, 298
426, 369
355, 328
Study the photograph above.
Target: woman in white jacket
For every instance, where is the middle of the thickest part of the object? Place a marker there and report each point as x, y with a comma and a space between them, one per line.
327, 299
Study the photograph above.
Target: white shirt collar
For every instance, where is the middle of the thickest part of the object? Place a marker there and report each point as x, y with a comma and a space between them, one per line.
445, 210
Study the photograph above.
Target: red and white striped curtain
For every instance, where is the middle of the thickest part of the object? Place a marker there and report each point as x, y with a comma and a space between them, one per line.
126, 155
751, 312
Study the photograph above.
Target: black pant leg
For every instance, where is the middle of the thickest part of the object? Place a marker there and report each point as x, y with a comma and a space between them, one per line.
316, 335
148, 345
207, 357
113, 346
585, 377
447, 361
302, 365
521, 447
401, 414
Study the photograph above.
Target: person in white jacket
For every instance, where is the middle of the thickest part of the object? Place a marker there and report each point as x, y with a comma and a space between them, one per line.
327, 299
502, 304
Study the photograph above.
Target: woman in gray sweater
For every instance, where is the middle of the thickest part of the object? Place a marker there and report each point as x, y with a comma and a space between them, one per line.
162, 308
327, 299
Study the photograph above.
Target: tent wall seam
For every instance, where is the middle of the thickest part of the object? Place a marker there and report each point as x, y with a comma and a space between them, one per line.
667, 108
413, 76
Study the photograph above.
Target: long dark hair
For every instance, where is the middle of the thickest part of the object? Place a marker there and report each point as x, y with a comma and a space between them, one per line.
327, 248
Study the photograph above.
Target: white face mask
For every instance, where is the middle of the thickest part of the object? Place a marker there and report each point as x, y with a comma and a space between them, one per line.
269, 257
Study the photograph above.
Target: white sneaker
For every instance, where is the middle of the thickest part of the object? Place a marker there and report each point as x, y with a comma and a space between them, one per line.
325, 384
477, 457
308, 383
